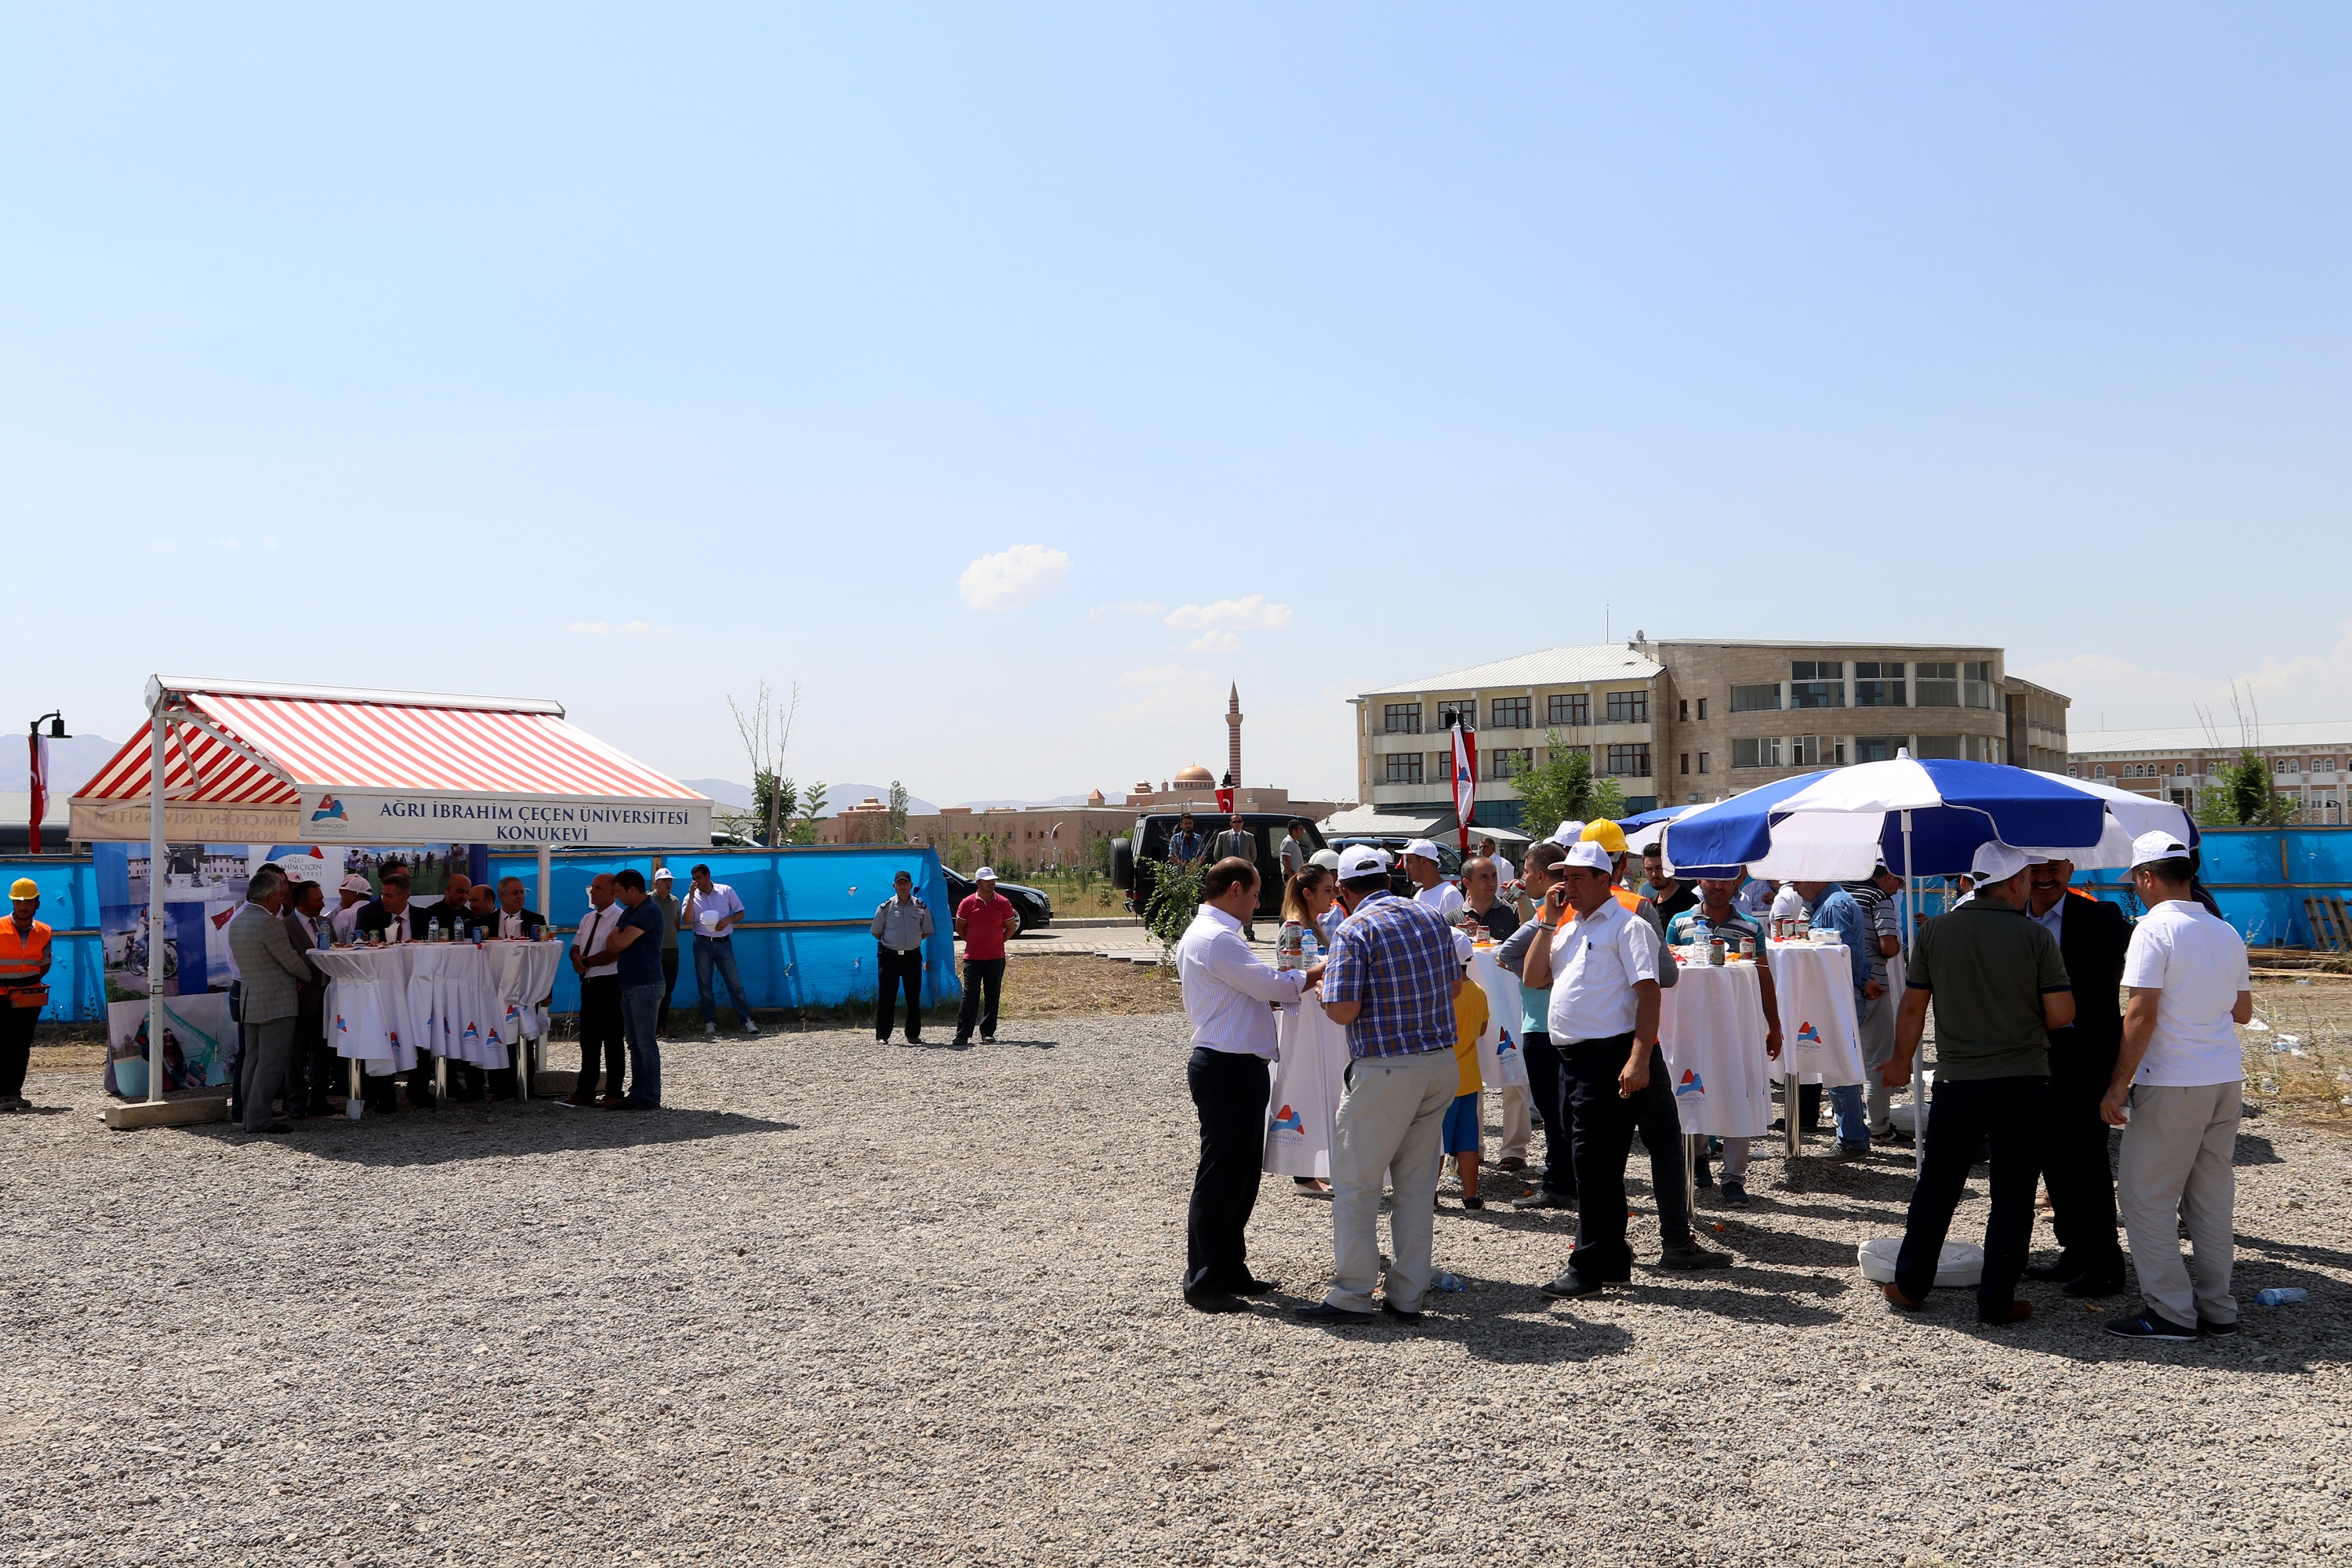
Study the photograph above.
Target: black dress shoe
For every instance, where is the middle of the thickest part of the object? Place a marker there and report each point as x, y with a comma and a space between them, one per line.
1567, 1284
2098, 1283
1322, 1312
1399, 1313
1211, 1302
1248, 1285
2058, 1272
2218, 1331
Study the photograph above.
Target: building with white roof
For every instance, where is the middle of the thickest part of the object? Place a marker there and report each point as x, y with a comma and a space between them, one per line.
2309, 763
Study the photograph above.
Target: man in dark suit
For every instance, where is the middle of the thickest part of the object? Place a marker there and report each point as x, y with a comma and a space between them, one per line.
393, 914
2091, 938
312, 1070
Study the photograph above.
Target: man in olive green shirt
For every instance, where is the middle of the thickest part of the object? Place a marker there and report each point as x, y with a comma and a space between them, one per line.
1999, 987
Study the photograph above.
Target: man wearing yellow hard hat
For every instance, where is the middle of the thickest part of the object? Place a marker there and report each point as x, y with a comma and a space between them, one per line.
24, 958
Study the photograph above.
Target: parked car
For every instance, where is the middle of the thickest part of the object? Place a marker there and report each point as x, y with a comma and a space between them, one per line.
1135, 859
1035, 908
1449, 863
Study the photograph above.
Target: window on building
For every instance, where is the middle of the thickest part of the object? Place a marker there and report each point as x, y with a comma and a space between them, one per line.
1702, 761
1816, 683
1806, 751
1462, 708
1980, 747
2098, 770
1573, 710
1682, 710
1764, 751
1756, 699
1509, 762
2318, 766
1629, 761
1686, 768
1976, 684
2180, 770
1702, 709
2070, 771
1877, 748
1628, 707
1403, 767
1936, 685
1508, 714
1401, 719
1946, 747
1878, 683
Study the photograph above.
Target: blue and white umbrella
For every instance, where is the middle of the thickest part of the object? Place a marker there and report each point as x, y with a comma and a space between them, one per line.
1924, 818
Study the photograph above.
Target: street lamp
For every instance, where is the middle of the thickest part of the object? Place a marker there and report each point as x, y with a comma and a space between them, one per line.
37, 746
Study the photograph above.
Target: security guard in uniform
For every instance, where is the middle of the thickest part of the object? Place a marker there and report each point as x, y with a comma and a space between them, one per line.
24, 958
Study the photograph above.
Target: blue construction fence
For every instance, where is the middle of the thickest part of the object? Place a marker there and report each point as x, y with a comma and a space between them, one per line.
806, 940
2260, 876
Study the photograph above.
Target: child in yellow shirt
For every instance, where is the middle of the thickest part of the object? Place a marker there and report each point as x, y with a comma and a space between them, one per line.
1465, 1132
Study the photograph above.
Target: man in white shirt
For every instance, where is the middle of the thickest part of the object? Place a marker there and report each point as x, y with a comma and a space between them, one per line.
1423, 865
710, 913
1788, 903
1230, 996
1602, 968
601, 1037
1505, 871
353, 891
2176, 1096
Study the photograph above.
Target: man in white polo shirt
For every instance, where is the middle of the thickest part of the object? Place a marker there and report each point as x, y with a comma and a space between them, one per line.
1423, 864
1230, 994
2176, 1096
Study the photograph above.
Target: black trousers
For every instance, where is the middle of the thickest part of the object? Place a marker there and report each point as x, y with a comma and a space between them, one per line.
1545, 1087
17, 1026
600, 1034
898, 969
1229, 1091
1603, 1128
979, 974
2075, 1160
2014, 1114
669, 984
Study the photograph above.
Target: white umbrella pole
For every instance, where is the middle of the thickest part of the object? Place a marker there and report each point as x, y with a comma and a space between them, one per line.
1918, 1072
157, 733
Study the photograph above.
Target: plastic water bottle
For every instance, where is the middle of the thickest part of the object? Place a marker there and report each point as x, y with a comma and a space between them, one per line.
2279, 1297
1701, 934
1446, 1281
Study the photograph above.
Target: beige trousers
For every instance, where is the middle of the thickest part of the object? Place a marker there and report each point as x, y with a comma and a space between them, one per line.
1389, 1125
1516, 1124
2176, 1168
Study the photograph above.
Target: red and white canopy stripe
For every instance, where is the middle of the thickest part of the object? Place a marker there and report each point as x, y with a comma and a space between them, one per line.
405, 744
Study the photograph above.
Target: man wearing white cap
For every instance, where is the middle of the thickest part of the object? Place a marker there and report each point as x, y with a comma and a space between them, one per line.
1423, 865
1602, 969
1998, 986
2176, 1096
1390, 980
983, 921
353, 891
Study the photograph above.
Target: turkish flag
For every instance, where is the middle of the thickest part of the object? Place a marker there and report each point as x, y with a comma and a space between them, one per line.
40, 782
1465, 784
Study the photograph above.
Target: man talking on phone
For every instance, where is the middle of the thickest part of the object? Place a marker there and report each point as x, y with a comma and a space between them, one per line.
1602, 963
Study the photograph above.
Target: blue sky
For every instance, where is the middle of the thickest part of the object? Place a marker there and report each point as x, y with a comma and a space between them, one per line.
743, 335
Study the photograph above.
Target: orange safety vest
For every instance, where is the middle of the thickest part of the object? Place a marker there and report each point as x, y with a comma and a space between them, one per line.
1629, 897
22, 957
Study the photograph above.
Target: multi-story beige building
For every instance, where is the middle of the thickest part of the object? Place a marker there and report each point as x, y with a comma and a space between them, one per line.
2310, 764
1687, 721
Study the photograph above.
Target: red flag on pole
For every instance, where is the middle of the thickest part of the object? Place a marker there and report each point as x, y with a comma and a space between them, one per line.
1465, 781
40, 782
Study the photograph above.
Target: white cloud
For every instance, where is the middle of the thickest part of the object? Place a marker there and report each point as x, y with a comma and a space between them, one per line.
1006, 578
2114, 693
1143, 607
1218, 623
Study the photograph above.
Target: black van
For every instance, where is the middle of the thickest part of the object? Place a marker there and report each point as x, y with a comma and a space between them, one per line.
1134, 860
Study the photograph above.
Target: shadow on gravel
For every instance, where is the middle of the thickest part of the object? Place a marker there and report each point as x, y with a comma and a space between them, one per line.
1777, 1300
1524, 1339
441, 1138
1787, 1250
2254, 1149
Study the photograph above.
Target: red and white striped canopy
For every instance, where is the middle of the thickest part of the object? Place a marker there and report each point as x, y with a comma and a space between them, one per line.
241, 744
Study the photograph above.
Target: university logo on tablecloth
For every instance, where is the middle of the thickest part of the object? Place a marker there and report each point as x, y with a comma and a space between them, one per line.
1290, 1122
1808, 1036
1692, 1085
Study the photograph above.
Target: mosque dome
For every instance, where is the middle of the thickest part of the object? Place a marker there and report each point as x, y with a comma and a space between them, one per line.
1196, 777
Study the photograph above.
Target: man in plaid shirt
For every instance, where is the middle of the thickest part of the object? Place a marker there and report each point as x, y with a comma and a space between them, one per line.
1394, 969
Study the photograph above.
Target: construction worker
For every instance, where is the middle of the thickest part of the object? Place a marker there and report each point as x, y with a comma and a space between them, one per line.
25, 957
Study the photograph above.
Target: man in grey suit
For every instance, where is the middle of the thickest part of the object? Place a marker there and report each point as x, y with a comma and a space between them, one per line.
273, 975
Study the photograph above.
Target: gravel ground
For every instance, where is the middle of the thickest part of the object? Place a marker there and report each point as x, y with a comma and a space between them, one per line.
919, 1306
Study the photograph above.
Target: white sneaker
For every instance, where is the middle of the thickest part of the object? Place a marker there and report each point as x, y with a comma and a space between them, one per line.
747, 1029
709, 1031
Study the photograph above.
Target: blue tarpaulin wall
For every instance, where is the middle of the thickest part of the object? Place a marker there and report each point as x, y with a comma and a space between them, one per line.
2260, 876
806, 939
69, 903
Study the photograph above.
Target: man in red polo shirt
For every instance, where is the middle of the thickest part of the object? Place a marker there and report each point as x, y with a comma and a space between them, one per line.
983, 921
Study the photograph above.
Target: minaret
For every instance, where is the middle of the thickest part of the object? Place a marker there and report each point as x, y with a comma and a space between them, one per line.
1233, 737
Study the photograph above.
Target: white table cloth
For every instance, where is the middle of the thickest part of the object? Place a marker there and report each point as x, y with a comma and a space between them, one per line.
470, 1001
1303, 1111
1711, 1030
1502, 1064
1820, 1039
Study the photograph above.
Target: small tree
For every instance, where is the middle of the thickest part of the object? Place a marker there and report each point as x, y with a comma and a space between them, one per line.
1175, 899
2242, 796
767, 735
898, 812
1564, 790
